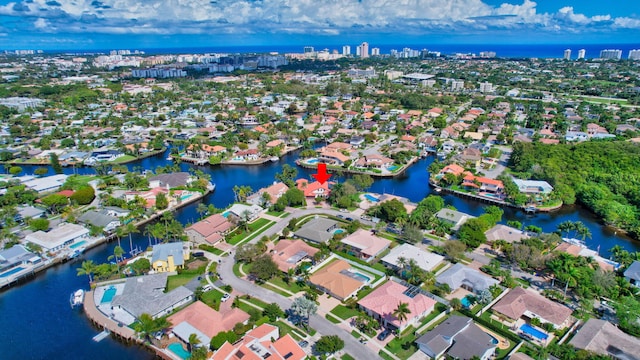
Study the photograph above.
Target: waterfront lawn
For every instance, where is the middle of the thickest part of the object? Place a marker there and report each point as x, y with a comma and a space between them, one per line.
344, 312
212, 298
75, 182
123, 159
239, 234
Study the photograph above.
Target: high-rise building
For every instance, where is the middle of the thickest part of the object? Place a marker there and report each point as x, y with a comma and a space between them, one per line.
582, 53
486, 87
363, 50
567, 54
346, 50
611, 54
634, 54
375, 51
309, 49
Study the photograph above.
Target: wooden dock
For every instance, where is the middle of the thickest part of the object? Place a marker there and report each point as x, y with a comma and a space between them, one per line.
102, 321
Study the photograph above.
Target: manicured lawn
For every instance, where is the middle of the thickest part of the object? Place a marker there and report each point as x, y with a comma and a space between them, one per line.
212, 298
344, 312
293, 286
275, 213
355, 334
255, 301
403, 347
384, 355
211, 249
248, 235
332, 319
274, 289
347, 357
287, 329
236, 269
78, 181
123, 159
174, 281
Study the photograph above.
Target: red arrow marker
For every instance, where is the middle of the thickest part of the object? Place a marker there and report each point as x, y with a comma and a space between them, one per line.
322, 175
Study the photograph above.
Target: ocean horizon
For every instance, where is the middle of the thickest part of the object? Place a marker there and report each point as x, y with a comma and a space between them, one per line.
552, 51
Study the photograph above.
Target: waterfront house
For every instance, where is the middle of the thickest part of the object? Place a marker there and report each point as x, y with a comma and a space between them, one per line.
149, 196
275, 192
244, 212
15, 256
313, 189
424, 259
454, 169
209, 230
247, 155
146, 294
481, 183
333, 157
171, 180
632, 274
318, 230
204, 150
44, 184
116, 211
288, 254
170, 256
104, 221
533, 187
459, 337
453, 217
200, 319
462, 276
262, 342
604, 338
59, 237
470, 157
365, 245
506, 233
374, 161
338, 279
528, 304
383, 301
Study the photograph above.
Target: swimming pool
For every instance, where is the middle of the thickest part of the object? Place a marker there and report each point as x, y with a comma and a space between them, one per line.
361, 277
179, 350
337, 231
530, 330
185, 197
313, 161
12, 271
371, 198
78, 244
393, 167
494, 341
225, 214
108, 295
466, 302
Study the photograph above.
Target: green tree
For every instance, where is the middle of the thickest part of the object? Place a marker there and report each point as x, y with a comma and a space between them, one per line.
147, 325
193, 341
273, 312
84, 195
454, 249
55, 202
39, 224
362, 181
55, 163
162, 202
41, 171
329, 344
264, 268
15, 170
87, 268
455, 304
222, 337
402, 312
288, 175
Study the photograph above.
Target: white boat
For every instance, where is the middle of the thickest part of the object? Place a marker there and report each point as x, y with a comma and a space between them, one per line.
77, 298
169, 158
75, 253
275, 158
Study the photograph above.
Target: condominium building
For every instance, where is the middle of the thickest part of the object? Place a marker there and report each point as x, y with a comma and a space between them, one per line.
611, 54
363, 50
634, 54
375, 51
581, 53
567, 54
346, 50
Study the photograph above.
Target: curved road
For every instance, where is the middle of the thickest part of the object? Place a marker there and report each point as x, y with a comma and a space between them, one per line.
323, 326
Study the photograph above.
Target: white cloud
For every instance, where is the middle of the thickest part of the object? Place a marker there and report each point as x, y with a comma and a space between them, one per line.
311, 16
41, 24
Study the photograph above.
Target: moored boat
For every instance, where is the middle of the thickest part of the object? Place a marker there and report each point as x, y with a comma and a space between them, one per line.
77, 298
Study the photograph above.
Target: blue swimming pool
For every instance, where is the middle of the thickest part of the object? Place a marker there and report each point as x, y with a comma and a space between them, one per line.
179, 350
361, 277
313, 161
371, 198
393, 167
78, 244
494, 341
225, 214
466, 302
337, 231
185, 197
530, 330
108, 295
11, 272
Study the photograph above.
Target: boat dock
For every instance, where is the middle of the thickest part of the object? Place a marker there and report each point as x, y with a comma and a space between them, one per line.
102, 321
101, 336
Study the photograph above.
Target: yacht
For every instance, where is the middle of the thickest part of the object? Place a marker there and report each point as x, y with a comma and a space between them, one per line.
77, 298
275, 158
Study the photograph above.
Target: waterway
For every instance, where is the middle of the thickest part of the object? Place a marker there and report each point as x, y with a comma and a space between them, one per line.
38, 322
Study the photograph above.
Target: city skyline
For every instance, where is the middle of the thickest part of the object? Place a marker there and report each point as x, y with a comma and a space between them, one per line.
86, 24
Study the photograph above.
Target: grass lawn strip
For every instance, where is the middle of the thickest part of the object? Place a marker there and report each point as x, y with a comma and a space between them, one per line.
344, 312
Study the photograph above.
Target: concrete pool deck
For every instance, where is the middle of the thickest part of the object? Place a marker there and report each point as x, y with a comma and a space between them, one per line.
502, 342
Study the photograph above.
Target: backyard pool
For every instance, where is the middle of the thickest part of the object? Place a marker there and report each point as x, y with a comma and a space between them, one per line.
312, 161
393, 167
530, 330
466, 302
225, 214
185, 197
494, 341
179, 350
108, 295
371, 198
11, 272
337, 231
78, 244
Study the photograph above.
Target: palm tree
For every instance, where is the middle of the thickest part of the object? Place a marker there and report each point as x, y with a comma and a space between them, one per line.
582, 230
193, 341
130, 229
402, 312
147, 325
566, 227
402, 263
87, 268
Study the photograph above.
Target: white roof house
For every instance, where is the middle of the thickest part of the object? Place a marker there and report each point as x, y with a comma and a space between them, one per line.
59, 237
425, 260
533, 186
48, 183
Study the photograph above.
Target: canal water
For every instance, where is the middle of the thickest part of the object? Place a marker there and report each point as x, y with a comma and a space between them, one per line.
38, 322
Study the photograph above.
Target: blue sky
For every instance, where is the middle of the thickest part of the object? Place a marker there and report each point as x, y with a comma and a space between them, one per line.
104, 24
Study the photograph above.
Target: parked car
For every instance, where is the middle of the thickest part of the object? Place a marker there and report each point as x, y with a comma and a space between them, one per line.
384, 334
198, 254
349, 219
303, 343
225, 297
